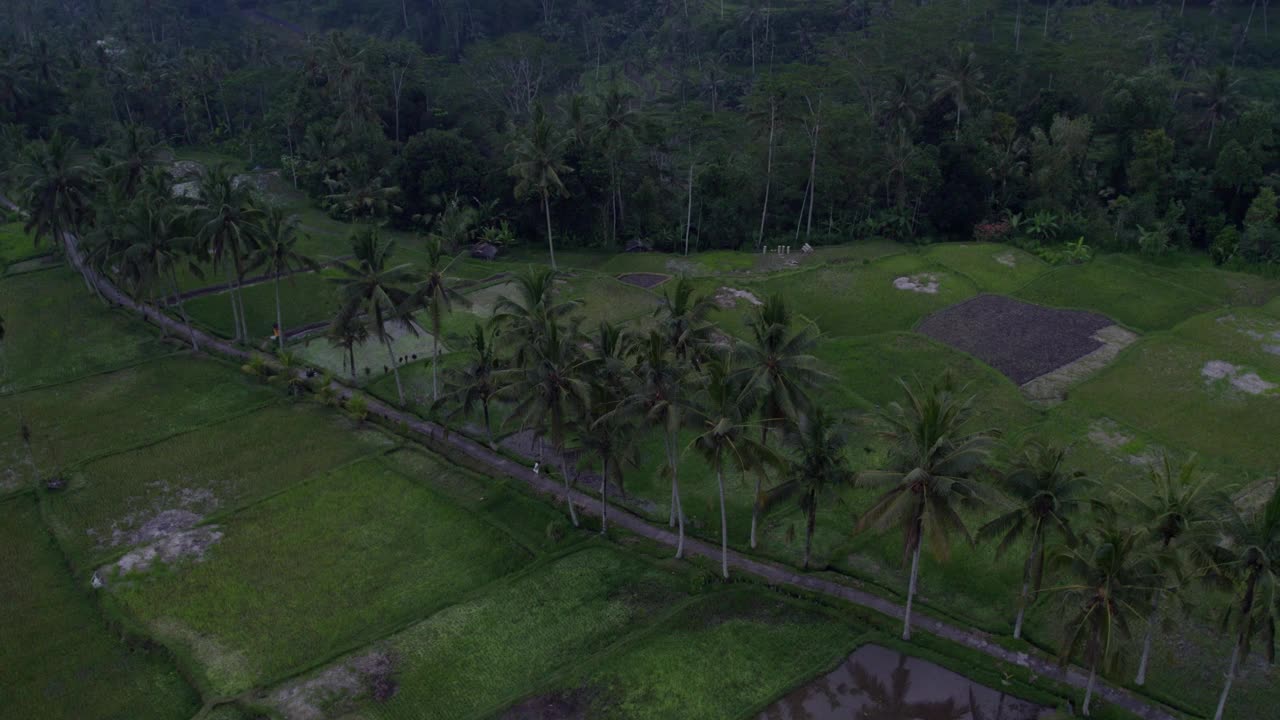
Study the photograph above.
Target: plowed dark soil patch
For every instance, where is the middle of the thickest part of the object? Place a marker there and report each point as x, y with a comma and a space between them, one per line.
644, 280
1021, 340
567, 705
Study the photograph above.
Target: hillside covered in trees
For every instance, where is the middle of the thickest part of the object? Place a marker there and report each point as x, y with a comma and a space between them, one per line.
1144, 126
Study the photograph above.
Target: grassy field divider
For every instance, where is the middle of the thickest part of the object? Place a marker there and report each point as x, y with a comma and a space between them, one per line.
97, 373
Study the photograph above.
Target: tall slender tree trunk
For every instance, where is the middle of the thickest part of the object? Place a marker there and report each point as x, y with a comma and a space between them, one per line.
604, 498
1182, 10
688, 216
1231, 676
768, 175
488, 426
1152, 621
1024, 598
756, 505
182, 308
395, 367
551, 246
235, 306
803, 200
677, 508
1088, 690
1047, 4
1017, 29
911, 590
808, 532
351, 355
279, 315
724, 525
813, 180
568, 498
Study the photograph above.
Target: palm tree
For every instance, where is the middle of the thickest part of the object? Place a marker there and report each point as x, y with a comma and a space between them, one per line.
434, 293
154, 250
682, 316
960, 79
608, 433
1110, 578
134, 153
278, 253
476, 382
228, 227
346, 332
1042, 498
1219, 99
537, 167
934, 456
377, 289
657, 392
778, 374
615, 136
1183, 513
525, 318
549, 388
59, 188
821, 467
1250, 559
724, 436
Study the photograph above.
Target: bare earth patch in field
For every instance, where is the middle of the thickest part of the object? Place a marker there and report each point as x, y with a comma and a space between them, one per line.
171, 511
644, 280
925, 283
356, 677
728, 298
564, 705
170, 549
1042, 349
1238, 377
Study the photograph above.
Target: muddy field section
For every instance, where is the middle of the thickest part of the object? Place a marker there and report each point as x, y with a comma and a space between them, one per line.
1022, 340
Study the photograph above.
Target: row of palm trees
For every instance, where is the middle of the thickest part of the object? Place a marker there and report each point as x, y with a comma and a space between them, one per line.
1115, 564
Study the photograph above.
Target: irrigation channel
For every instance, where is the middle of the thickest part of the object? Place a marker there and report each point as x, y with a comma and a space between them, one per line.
773, 573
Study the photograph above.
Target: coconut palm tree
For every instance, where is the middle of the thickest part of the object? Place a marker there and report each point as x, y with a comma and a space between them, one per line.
346, 332
538, 166
609, 434
682, 316
524, 318
476, 382
960, 79
376, 289
725, 437
134, 153
1042, 497
1183, 512
549, 387
657, 392
154, 249
822, 466
277, 252
1109, 580
934, 458
435, 294
59, 188
778, 375
228, 226
1250, 560
615, 135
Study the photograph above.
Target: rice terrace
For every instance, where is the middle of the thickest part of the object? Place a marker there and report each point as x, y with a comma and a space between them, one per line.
639, 361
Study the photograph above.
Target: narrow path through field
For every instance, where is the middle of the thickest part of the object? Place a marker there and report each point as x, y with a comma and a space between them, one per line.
774, 573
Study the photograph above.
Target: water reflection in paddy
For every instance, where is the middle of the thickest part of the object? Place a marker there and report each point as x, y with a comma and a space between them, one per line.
876, 683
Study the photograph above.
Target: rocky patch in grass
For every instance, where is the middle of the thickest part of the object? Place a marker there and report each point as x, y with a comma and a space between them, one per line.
1109, 436
1007, 259
644, 280
188, 544
1239, 378
925, 283
171, 510
573, 704
338, 687
727, 298
1266, 332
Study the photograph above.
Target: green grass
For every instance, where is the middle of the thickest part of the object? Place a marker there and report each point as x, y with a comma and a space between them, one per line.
16, 246
371, 357
56, 331
316, 571
1158, 387
988, 265
726, 656
58, 660
305, 299
861, 299
115, 411
1116, 287
605, 298
210, 471
478, 656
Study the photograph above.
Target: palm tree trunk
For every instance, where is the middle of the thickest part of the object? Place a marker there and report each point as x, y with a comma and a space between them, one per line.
564, 472
1231, 676
677, 510
911, 590
604, 498
724, 526
1047, 4
551, 246
488, 426
768, 171
1088, 690
351, 356
235, 307
155, 303
756, 504
1023, 599
688, 216
808, 533
279, 315
813, 182
395, 368
1152, 620
182, 308
435, 352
